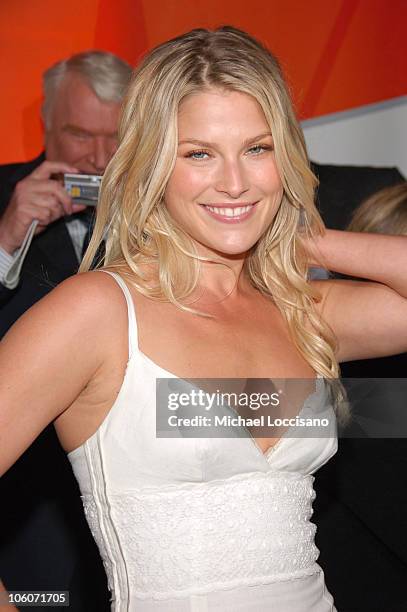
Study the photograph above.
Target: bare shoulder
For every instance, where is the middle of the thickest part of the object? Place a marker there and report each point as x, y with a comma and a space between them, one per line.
85, 311
323, 286
83, 300
54, 351
339, 298
336, 292
87, 291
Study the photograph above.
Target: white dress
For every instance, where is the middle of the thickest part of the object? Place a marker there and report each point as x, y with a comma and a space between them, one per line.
200, 524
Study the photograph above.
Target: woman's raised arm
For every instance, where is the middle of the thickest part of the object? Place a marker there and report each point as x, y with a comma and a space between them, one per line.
47, 358
368, 318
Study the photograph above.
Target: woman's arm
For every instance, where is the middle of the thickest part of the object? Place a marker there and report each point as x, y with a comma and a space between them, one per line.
368, 318
4, 597
47, 358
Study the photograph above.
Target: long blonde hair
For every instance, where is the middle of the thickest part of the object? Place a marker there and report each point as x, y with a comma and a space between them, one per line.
384, 212
132, 216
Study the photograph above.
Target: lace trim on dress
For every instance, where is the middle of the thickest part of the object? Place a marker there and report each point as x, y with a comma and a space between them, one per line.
212, 536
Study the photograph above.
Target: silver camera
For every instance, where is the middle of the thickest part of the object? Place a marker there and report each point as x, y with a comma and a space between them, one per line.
83, 188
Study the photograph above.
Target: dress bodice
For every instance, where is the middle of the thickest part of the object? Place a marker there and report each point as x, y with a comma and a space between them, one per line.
179, 517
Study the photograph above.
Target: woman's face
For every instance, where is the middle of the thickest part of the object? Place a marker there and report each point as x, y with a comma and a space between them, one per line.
225, 188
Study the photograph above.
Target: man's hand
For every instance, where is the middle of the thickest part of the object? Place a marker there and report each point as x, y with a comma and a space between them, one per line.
36, 197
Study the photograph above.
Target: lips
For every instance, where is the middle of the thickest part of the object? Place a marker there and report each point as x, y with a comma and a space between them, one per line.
230, 213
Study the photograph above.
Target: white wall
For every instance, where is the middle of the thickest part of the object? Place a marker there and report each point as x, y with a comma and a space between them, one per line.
373, 135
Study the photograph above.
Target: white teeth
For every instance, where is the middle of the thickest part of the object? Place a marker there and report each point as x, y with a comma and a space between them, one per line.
229, 212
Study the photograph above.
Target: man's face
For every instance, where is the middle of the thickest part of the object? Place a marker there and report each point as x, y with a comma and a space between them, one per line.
82, 129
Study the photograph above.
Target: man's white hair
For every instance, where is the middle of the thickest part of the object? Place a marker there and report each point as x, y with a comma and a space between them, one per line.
106, 74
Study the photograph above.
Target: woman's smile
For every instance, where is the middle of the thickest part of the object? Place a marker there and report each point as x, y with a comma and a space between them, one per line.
230, 213
225, 189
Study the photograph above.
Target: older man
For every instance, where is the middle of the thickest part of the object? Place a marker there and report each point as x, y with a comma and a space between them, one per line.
45, 541
80, 113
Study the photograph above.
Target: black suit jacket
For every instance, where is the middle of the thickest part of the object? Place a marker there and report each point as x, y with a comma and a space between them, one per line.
45, 541
50, 259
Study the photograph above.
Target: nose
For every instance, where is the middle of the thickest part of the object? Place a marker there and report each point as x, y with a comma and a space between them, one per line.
232, 179
100, 154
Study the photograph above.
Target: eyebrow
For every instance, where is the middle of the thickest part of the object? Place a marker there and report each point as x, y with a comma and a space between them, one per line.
202, 143
76, 128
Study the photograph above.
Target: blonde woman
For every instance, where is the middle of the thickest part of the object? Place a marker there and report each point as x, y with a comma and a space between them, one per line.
385, 212
208, 213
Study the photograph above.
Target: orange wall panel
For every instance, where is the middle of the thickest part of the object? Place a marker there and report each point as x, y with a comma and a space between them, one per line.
33, 36
288, 28
120, 29
336, 54
370, 64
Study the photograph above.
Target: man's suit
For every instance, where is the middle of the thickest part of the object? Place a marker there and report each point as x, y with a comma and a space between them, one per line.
361, 493
45, 541
50, 259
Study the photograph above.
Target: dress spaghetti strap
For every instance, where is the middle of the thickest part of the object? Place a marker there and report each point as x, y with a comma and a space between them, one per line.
132, 320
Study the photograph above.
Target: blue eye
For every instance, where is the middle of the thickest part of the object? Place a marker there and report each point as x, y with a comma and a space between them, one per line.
257, 149
198, 154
